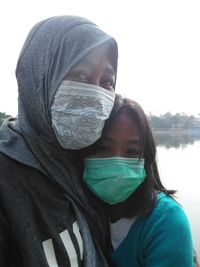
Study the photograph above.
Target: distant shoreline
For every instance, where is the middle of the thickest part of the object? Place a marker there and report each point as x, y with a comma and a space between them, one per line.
175, 132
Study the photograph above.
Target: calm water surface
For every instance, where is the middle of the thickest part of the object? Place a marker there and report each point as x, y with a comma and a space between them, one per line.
179, 164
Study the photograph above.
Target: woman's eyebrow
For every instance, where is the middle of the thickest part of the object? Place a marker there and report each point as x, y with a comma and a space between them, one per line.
110, 71
83, 63
88, 63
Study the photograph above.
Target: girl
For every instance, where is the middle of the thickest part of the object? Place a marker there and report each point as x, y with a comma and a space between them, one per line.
148, 227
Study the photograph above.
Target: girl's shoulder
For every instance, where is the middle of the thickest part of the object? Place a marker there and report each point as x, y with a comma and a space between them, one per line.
167, 207
167, 213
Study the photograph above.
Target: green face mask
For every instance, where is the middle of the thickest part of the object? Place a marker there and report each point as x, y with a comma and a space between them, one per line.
114, 179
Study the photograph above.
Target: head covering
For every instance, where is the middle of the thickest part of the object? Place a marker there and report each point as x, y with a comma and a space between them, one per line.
53, 47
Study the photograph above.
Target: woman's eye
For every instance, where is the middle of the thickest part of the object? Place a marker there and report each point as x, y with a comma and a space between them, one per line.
82, 76
108, 84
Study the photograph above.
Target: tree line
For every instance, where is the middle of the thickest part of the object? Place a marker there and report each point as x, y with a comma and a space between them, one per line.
165, 121
177, 121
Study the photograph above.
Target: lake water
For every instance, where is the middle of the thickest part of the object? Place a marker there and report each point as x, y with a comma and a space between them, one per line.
179, 164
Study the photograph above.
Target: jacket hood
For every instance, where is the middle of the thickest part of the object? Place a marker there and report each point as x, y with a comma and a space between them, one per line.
52, 48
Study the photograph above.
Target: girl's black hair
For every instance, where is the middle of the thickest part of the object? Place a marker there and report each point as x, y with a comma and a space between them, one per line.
144, 198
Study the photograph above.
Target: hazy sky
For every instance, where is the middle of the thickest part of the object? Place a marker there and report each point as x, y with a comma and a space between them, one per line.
159, 47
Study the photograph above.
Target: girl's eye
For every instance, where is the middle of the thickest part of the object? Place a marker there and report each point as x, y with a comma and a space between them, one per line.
133, 153
103, 150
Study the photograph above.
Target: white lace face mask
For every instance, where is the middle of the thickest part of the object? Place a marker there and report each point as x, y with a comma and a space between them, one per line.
78, 113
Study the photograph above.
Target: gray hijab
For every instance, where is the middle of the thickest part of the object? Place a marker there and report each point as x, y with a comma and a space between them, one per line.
53, 47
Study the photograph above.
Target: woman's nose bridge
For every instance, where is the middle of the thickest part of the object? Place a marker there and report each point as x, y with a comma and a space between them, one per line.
96, 74
95, 79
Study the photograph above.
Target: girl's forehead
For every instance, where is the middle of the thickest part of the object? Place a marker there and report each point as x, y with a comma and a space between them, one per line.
122, 124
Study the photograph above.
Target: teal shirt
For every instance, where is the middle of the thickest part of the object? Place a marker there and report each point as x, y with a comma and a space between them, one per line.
161, 239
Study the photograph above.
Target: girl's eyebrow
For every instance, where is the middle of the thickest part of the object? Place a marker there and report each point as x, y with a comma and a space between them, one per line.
107, 139
133, 141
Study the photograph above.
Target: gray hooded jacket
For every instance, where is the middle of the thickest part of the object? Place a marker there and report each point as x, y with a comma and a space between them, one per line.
40, 191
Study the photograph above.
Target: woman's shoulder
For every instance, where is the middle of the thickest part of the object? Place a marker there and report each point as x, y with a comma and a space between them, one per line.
12, 171
5, 161
9, 165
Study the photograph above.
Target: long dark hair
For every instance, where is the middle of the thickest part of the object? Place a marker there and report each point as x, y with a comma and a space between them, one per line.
144, 198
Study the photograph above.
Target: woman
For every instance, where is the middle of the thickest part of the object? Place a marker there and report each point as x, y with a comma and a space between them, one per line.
66, 76
147, 226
